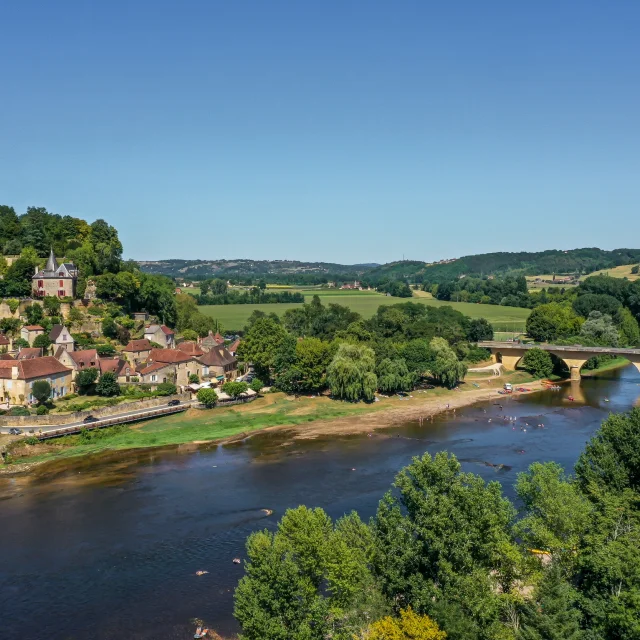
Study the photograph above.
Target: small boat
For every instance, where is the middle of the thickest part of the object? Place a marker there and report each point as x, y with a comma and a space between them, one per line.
570, 398
201, 572
606, 399
200, 632
237, 561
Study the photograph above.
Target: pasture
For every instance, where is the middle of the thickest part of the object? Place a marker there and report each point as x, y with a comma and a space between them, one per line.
366, 303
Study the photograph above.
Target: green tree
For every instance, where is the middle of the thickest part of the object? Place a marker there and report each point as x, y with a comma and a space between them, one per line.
551, 321
351, 374
235, 389
393, 375
42, 342
261, 344
445, 367
309, 580
105, 350
312, 356
444, 543
256, 385
41, 391
480, 329
207, 397
34, 314
538, 363
583, 305
193, 378
108, 385
553, 612
629, 329
555, 513
20, 343
190, 335
599, 328
52, 305
109, 328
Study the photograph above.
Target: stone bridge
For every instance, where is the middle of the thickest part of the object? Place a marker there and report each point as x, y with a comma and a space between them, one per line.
510, 353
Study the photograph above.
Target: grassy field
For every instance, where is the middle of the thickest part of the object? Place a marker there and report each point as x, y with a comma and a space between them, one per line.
366, 303
617, 272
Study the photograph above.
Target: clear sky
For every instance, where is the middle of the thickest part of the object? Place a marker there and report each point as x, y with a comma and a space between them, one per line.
340, 131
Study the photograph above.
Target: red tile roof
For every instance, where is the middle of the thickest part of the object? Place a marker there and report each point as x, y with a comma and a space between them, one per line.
173, 356
28, 353
191, 348
167, 331
32, 369
233, 347
150, 368
85, 358
33, 327
112, 365
138, 345
6, 356
4, 341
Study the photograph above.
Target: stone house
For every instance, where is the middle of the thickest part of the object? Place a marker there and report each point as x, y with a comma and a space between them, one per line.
160, 334
137, 351
123, 369
60, 337
78, 360
55, 280
156, 373
233, 347
5, 343
30, 332
17, 378
184, 365
219, 364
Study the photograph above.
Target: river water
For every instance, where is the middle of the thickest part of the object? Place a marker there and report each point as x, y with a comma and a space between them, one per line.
109, 549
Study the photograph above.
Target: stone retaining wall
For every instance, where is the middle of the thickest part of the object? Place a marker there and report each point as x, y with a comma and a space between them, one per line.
60, 419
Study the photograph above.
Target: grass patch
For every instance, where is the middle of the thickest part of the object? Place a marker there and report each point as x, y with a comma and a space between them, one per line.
366, 303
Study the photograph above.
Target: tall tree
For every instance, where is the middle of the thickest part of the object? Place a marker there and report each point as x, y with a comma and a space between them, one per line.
351, 374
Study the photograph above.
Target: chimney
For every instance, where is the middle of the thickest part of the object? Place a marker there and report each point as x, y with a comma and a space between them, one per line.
36, 272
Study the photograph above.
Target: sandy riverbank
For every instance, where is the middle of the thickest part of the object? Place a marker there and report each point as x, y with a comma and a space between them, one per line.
301, 418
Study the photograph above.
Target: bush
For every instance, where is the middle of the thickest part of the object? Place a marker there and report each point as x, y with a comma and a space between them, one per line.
166, 389
208, 397
538, 363
41, 391
31, 440
105, 350
18, 411
42, 342
20, 343
256, 385
42, 410
234, 389
86, 379
193, 378
477, 354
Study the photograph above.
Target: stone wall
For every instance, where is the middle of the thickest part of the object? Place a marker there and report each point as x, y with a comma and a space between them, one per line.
60, 419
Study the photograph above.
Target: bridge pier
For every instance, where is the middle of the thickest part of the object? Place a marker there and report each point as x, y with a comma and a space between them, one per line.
574, 366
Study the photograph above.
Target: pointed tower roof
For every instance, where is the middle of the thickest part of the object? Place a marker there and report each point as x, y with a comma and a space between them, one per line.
52, 265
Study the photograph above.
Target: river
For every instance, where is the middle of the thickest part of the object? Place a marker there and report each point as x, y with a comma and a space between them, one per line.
109, 549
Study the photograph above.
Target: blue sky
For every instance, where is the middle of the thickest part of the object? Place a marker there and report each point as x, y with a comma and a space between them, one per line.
340, 131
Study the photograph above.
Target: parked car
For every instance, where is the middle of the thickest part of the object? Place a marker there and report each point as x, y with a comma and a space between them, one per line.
89, 419
173, 403
14, 431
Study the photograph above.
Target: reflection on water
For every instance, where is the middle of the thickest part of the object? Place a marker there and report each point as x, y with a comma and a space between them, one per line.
112, 546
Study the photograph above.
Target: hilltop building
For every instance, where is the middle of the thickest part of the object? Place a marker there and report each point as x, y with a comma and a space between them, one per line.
55, 280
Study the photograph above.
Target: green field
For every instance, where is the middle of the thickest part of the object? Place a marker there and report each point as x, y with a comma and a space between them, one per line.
366, 303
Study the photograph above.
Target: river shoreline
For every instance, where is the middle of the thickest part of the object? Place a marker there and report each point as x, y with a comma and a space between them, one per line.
419, 405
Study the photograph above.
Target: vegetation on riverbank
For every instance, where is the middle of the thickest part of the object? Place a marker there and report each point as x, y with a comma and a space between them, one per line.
316, 414
447, 545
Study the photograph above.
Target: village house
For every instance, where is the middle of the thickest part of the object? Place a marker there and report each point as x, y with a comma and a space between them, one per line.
5, 343
30, 332
55, 280
160, 334
184, 365
219, 364
233, 347
61, 338
78, 360
137, 351
17, 378
156, 373
122, 369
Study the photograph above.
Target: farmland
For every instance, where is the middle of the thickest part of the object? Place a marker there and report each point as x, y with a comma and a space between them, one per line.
366, 303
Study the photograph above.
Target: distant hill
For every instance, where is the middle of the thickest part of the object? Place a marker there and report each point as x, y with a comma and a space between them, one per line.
573, 261
245, 268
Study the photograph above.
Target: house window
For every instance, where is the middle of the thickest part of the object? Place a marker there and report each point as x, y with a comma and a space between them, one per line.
154, 378
61, 293
40, 284
61, 283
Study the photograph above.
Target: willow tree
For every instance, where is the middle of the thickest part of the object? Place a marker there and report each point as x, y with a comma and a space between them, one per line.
351, 374
446, 368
